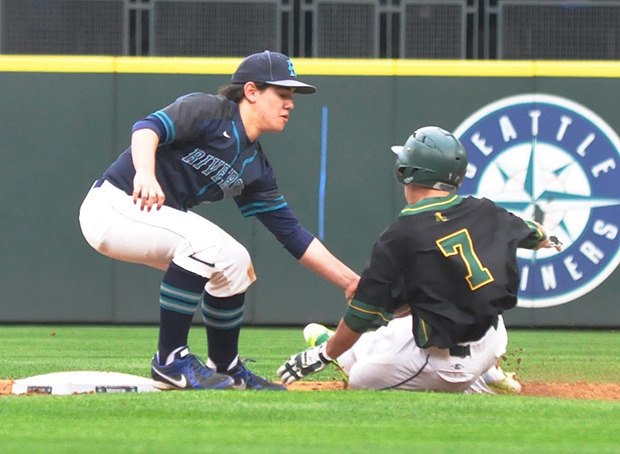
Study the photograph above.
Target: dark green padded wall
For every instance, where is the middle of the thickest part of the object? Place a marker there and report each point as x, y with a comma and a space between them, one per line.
60, 131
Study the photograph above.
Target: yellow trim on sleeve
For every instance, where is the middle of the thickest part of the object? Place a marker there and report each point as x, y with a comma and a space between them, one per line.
379, 313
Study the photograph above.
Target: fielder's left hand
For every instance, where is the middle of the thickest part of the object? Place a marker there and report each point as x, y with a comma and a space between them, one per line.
300, 365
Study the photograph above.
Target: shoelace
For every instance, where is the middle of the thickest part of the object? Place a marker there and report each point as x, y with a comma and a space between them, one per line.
197, 367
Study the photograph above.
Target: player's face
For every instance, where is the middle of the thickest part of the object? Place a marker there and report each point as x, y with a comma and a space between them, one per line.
274, 107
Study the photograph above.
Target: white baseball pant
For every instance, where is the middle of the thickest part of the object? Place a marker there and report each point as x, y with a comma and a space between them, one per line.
116, 227
388, 358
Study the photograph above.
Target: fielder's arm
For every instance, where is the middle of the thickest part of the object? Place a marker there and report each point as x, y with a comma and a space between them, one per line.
144, 144
318, 259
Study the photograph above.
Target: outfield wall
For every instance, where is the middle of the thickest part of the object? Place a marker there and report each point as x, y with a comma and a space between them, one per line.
64, 119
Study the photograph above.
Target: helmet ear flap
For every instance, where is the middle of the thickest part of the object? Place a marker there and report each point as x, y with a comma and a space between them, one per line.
403, 173
408, 174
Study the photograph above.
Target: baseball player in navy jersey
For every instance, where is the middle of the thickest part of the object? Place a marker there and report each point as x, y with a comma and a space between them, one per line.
450, 263
204, 148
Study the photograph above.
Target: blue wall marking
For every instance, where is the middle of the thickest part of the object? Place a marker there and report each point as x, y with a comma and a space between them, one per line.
323, 172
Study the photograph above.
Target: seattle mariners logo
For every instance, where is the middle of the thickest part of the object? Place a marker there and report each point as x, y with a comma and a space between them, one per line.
552, 160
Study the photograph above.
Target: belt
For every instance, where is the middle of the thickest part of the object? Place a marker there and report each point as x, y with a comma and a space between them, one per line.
460, 350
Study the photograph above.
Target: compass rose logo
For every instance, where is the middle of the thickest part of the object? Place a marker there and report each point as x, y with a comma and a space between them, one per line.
552, 160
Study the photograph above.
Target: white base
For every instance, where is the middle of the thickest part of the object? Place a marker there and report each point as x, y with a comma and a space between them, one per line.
80, 382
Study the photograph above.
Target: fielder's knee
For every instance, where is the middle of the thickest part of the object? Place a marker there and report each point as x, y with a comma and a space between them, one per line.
235, 276
228, 268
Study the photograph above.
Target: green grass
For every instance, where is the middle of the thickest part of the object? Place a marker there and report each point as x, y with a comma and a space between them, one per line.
564, 355
323, 421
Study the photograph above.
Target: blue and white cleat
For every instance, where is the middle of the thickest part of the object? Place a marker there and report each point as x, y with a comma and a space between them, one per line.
244, 379
186, 371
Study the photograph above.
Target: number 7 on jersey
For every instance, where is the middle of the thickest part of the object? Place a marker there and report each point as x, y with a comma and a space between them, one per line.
460, 243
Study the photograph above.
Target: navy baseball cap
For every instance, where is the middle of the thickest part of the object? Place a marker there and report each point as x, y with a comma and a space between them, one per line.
272, 68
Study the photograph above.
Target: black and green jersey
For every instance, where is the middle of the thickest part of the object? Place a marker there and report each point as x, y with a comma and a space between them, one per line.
452, 260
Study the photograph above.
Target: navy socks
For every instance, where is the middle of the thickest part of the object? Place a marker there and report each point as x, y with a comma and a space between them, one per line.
180, 293
222, 318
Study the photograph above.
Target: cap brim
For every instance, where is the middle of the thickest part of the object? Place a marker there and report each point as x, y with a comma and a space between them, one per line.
299, 87
397, 149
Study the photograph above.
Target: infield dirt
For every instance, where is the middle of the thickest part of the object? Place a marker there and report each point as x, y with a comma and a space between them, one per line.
579, 390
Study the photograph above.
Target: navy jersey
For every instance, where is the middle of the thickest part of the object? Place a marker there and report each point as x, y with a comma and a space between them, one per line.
452, 260
204, 156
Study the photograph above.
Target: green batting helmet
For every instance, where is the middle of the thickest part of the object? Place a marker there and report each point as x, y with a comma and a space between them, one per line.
431, 157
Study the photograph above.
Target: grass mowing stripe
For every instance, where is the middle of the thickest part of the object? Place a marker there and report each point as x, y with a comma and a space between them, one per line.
326, 421
541, 356
313, 422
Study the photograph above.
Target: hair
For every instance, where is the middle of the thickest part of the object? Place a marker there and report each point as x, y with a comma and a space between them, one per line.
234, 92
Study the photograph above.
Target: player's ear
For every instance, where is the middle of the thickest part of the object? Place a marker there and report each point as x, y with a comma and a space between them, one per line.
250, 90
